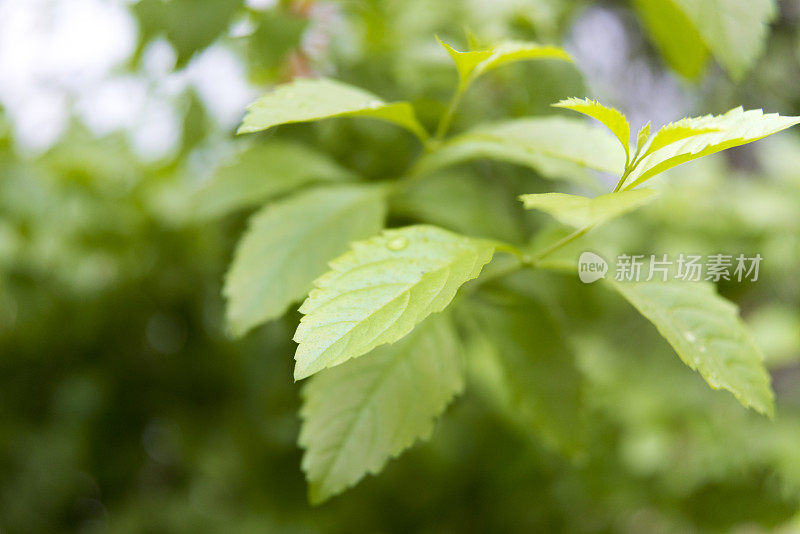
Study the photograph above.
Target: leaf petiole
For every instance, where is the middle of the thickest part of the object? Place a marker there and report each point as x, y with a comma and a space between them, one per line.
444, 123
566, 240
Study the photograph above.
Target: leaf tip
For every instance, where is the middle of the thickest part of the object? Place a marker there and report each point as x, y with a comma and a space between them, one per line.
446, 46
243, 129
300, 372
562, 54
316, 495
303, 368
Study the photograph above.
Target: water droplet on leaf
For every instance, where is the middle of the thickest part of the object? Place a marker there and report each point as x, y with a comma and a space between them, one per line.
397, 243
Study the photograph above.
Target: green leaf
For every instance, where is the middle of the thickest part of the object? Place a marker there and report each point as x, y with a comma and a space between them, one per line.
261, 172
480, 206
188, 25
674, 132
514, 51
734, 30
519, 354
471, 65
674, 35
314, 99
612, 118
289, 244
466, 62
734, 128
580, 212
556, 147
685, 31
708, 335
279, 31
642, 137
380, 290
366, 411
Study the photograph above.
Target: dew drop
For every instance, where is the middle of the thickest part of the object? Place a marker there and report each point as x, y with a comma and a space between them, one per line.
690, 337
702, 348
397, 243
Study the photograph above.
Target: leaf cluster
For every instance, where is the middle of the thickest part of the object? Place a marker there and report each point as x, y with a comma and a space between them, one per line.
381, 336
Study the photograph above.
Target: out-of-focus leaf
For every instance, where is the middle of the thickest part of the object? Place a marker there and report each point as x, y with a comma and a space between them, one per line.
674, 35
612, 118
734, 128
522, 348
556, 147
277, 33
708, 335
263, 171
477, 206
380, 290
734, 30
189, 25
686, 30
580, 212
366, 411
776, 331
473, 64
314, 99
195, 123
289, 244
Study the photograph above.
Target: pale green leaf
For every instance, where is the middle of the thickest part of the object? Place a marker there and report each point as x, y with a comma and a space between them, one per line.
580, 212
261, 172
465, 61
708, 335
556, 147
674, 132
289, 243
321, 98
734, 128
514, 51
642, 137
381, 289
734, 30
612, 118
472, 64
674, 35
362, 413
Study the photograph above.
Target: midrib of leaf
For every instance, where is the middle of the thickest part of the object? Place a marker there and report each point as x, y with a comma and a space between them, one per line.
405, 294
370, 288
685, 158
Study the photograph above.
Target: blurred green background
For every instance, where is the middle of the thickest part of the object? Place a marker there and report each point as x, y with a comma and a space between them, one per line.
126, 407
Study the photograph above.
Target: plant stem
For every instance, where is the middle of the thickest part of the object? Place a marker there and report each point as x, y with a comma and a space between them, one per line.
558, 244
433, 143
447, 118
622, 180
522, 259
